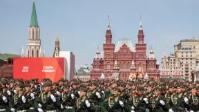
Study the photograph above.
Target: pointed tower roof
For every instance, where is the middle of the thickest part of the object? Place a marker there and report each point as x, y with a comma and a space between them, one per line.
140, 25
140, 33
109, 24
98, 54
151, 53
33, 21
108, 33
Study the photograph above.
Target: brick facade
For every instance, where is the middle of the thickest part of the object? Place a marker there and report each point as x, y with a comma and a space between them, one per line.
124, 60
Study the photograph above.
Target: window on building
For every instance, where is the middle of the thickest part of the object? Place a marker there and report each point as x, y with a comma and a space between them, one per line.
33, 34
32, 53
37, 53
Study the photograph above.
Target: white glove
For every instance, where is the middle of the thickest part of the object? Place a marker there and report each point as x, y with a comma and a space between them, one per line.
53, 98
146, 100
78, 92
72, 96
40, 110
4, 99
186, 100
62, 106
58, 93
162, 102
98, 95
32, 95
39, 105
88, 104
12, 110
8, 92
132, 108
102, 92
121, 103
171, 110
23, 99
15, 91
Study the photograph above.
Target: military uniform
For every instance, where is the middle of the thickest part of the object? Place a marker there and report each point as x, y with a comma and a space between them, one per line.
4, 102
70, 101
47, 101
18, 101
153, 103
143, 105
161, 105
87, 106
194, 103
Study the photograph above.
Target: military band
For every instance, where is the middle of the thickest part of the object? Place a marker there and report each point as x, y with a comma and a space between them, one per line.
98, 96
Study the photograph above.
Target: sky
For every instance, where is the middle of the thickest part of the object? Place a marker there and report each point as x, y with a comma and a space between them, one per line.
81, 24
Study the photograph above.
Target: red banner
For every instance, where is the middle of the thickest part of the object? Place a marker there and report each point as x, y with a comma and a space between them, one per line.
39, 68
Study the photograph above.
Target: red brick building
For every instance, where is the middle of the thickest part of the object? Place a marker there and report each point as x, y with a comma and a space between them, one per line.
124, 60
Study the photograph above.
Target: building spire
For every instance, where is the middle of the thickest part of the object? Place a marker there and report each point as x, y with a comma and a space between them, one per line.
33, 21
109, 23
108, 33
151, 53
140, 25
98, 53
140, 32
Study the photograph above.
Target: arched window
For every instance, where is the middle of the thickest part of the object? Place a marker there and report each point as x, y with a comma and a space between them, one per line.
37, 53
33, 34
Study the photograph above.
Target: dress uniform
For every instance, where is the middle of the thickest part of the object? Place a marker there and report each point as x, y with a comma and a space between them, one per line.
86, 106
69, 101
161, 105
18, 102
194, 102
30, 99
47, 101
4, 101
143, 105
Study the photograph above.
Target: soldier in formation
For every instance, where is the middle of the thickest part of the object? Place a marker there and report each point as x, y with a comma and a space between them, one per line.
98, 96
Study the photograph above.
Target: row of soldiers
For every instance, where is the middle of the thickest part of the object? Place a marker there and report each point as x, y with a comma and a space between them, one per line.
98, 96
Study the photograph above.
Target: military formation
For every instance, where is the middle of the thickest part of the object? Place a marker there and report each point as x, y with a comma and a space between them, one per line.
98, 96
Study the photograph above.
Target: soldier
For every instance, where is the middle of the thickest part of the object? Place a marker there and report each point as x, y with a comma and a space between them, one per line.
4, 102
113, 98
19, 100
168, 98
161, 105
5, 95
65, 99
119, 103
174, 99
194, 101
30, 98
47, 100
135, 98
86, 106
69, 98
